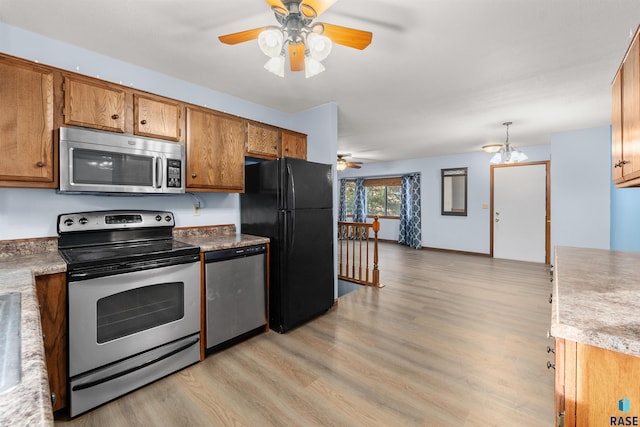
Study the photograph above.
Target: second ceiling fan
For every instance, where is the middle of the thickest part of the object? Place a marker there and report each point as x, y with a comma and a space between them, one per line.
307, 42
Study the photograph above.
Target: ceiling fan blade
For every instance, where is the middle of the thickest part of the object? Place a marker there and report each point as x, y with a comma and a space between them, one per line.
349, 37
313, 8
353, 166
242, 36
277, 5
296, 56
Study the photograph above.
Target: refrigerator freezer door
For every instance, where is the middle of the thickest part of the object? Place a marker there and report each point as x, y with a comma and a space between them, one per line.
305, 185
306, 268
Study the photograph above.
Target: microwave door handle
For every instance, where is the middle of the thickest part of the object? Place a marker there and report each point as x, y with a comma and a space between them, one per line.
159, 171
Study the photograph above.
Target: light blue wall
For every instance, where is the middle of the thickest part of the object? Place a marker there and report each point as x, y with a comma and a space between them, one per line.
460, 233
580, 170
32, 213
625, 221
581, 177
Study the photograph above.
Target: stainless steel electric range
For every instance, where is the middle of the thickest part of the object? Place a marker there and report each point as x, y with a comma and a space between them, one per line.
134, 302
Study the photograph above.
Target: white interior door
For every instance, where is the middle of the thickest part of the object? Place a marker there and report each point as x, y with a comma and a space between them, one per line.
519, 212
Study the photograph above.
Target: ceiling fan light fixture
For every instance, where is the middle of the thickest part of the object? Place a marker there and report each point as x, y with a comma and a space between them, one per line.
275, 65
341, 164
319, 46
308, 11
271, 41
312, 67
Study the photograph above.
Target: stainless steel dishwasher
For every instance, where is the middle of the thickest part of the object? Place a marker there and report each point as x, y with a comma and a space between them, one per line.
236, 304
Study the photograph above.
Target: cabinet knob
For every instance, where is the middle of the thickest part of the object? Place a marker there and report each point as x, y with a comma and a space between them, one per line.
53, 399
143, 122
40, 164
115, 117
193, 175
550, 298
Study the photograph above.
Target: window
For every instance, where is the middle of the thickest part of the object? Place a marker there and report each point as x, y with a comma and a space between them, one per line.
350, 193
383, 197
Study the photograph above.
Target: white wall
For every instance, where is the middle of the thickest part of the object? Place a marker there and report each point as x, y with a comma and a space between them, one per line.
27, 213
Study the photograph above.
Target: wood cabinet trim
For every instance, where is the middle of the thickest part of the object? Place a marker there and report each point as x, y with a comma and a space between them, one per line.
51, 292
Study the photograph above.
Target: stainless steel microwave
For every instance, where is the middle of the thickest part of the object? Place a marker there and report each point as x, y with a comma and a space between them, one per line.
103, 162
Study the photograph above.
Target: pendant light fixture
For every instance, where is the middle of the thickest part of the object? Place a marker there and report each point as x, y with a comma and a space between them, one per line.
508, 153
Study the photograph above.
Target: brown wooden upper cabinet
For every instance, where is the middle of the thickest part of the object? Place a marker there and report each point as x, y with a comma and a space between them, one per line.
93, 103
294, 144
27, 151
156, 117
215, 151
263, 141
625, 119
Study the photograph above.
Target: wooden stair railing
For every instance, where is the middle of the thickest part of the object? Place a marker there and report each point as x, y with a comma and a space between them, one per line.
355, 252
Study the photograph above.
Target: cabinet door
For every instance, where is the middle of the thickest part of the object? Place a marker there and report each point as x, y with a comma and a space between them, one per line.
215, 151
616, 129
26, 121
156, 117
52, 297
262, 140
604, 377
93, 104
294, 144
631, 113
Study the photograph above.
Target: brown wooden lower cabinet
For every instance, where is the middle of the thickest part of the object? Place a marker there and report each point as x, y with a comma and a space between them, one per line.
52, 297
595, 386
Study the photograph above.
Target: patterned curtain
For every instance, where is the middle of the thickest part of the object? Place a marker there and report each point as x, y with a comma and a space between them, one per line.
410, 222
342, 208
360, 202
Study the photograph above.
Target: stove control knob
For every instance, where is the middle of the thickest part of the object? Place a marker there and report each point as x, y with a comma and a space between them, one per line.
158, 218
167, 218
83, 220
68, 222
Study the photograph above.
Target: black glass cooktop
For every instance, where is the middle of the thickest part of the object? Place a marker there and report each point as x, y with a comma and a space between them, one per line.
129, 251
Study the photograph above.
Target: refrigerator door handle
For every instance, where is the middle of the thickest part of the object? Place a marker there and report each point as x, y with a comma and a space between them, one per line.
291, 194
291, 229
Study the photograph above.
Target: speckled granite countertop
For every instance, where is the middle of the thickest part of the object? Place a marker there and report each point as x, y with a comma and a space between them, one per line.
222, 241
28, 403
596, 298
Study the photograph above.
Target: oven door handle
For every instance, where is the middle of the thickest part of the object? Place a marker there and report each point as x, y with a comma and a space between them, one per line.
97, 382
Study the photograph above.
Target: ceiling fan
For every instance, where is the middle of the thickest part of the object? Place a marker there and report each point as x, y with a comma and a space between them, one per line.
308, 42
342, 163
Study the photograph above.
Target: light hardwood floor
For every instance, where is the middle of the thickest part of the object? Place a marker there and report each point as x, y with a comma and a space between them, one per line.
451, 340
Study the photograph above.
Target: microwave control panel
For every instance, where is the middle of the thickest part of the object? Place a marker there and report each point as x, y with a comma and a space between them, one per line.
174, 173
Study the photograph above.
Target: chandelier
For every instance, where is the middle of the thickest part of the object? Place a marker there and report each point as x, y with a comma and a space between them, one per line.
505, 153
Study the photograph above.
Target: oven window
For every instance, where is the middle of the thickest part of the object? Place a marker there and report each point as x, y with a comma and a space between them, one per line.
139, 309
102, 167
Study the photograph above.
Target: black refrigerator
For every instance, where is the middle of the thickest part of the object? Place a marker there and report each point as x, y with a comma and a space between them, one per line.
290, 201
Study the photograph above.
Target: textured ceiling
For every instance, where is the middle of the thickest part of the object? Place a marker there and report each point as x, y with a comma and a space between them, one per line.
439, 77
